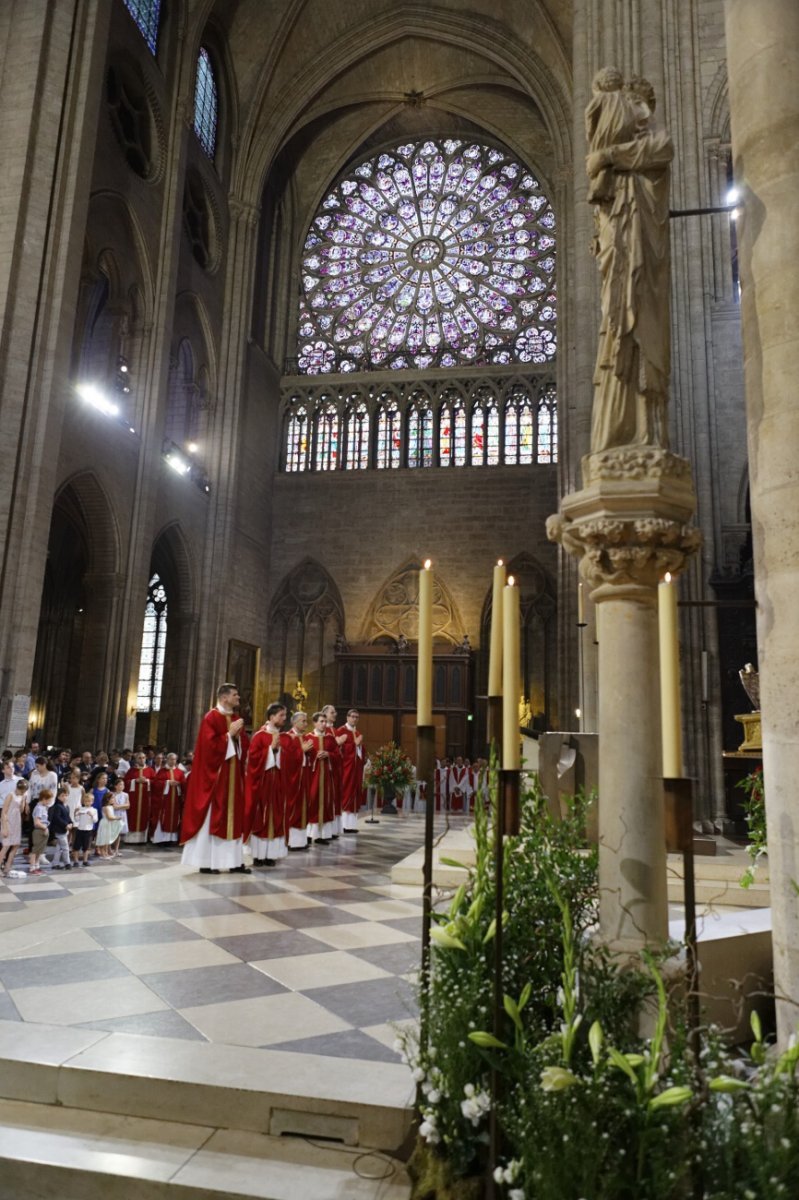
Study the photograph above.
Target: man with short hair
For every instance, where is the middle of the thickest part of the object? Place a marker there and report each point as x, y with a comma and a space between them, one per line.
30, 759
294, 744
139, 783
350, 740
265, 800
321, 813
166, 801
212, 829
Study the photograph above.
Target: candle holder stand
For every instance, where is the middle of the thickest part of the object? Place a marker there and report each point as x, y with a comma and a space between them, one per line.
507, 805
425, 772
678, 797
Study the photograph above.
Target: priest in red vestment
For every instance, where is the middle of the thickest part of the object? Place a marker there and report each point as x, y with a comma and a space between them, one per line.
213, 826
320, 796
353, 758
139, 783
166, 801
295, 776
264, 792
459, 788
337, 763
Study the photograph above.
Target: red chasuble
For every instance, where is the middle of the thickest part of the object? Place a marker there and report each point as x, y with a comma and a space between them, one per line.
139, 783
320, 799
294, 777
265, 801
352, 771
215, 782
337, 763
166, 800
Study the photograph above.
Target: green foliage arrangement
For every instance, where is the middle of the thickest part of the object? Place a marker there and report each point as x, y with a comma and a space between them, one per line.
755, 811
389, 770
601, 1096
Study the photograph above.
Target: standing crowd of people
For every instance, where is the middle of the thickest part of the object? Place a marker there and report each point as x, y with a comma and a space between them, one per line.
297, 781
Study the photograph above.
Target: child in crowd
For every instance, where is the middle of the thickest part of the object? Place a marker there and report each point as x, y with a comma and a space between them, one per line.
108, 830
85, 821
14, 806
60, 825
121, 803
41, 831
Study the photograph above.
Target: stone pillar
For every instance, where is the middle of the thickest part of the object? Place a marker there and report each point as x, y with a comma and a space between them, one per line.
763, 62
628, 527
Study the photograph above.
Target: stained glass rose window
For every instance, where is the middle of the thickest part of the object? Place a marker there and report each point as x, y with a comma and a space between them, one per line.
434, 254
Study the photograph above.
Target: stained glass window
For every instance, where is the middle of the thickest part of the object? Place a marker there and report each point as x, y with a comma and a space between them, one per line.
388, 433
485, 430
433, 254
298, 439
452, 430
146, 14
328, 425
153, 648
206, 103
518, 427
547, 426
420, 435
357, 436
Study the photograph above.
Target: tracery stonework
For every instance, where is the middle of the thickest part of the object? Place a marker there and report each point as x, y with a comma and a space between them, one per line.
434, 253
395, 611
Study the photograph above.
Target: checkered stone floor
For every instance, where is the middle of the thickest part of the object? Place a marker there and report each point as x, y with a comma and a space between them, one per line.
316, 955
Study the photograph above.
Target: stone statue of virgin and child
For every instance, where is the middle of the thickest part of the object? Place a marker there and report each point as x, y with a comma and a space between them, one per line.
628, 168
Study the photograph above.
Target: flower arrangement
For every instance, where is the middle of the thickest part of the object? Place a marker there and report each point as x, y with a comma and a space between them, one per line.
389, 770
755, 812
594, 1102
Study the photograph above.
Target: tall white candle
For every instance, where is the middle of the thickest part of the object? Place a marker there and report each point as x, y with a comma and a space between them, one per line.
495, 651
670, 706
424, 665
511, 678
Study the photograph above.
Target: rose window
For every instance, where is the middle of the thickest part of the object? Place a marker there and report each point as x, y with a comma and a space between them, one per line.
434, 254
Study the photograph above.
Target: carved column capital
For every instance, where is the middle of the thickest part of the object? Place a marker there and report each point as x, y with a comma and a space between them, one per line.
629, 524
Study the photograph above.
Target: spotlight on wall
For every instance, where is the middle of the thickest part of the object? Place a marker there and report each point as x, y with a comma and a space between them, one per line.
93, 396
177, 462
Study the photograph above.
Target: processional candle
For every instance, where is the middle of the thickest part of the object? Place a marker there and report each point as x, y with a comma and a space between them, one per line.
424, 665
511, 678
670, 707
495, 651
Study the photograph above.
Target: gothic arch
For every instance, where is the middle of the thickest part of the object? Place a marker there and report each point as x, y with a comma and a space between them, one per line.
171, 561
75, 643
306, 617
526, 70
394, 612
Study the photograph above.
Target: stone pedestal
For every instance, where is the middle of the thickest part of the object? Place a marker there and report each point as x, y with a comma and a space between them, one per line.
628, 527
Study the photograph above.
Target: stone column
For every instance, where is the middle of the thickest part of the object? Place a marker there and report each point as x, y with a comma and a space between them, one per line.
763, 61
628, 527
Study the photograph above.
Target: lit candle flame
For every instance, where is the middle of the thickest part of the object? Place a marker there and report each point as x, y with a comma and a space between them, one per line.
510, 581
667, 577
499, 562
428, 564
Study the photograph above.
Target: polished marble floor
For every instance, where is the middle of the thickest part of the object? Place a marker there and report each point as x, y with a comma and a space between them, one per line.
316, 955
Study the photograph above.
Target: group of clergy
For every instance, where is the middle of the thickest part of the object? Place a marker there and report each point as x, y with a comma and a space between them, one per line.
289, 787
155, 799
458, 784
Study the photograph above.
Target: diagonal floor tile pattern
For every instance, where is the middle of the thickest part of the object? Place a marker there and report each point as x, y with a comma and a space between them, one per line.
313, 956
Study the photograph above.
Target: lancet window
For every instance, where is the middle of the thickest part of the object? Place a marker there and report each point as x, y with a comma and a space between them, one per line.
452, 430
389, 434
328, 424
147, 15
357, 436
206, 103
518, 428
298, 441
420, 435
485, 431
153, 648
547, 426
